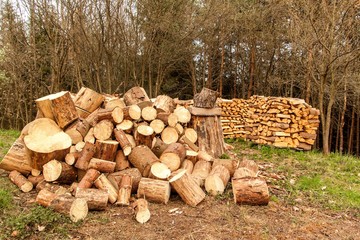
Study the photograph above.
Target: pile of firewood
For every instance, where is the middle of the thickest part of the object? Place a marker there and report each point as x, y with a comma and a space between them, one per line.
87, 150
281, 122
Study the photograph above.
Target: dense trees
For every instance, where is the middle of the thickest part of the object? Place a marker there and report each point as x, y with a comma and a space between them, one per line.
296, 48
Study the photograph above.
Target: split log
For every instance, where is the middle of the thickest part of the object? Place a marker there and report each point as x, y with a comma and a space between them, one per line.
159, 170
114, 103
206, 98
75, 208
183, 115
192, 156
117, 115
188, 166
88, 100
101, 165
141, 209
187, 188
121, 161
123, 141
115, 177
190, 144
158, 146
157, 125
230, 164
200, 171
16, 158
103, 183
217, 180
19, 180
46, 141
125, 187
131, 140
103, 130
242, 172
148, 113
88, 179
85, 156
142, 158
154, 190
250, 190
96, 199
173, 156
164, 103
59, 171
89, 137
135, 95
58, 107
191, 134
106, 149
169, 135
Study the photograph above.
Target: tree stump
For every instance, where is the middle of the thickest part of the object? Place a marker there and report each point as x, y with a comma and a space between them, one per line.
206, 98
16, 158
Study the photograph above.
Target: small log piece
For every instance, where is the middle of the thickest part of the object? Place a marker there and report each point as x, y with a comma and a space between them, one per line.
188, 166
115, 178
35, 180
217, 180
103, 130
164, 103
19, 180
103, 166
85, 156
159, 170
135, 95
141, 209
154, 190
125, 187
132, 112
242, 172
121, 162
187, 188
249, 164
158, 146
157, 125
173, 156
96, 199
148, 113
106, 149
200, 171
88, 100
16, 158
230, 164
170, 119
169, 135
59, 171
250, 190
183, 115
103, 183
123, 141
88, 179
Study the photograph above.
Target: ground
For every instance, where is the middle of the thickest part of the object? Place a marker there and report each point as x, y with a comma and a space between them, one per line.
291, 213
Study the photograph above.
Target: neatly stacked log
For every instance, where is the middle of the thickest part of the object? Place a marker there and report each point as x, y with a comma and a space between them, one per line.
281, 122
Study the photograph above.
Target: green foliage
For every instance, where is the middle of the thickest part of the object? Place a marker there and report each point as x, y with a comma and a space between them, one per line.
7, 138
38, 219
224, 156
5, 199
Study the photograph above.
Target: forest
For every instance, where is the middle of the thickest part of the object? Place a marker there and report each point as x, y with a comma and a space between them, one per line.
291, 48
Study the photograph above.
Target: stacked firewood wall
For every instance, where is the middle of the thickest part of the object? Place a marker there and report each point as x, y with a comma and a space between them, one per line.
277, 121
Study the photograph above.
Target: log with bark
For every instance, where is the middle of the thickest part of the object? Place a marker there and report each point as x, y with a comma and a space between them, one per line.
115, 178
20, 181
142, 158
96, 199
206, 98
217, 180
173, 156
85, 156
102, 182
141, 209
60, 172
250, 190
125, 188
88, 100
16, 158
154, 190
135, 95
88, 179
101, 165
106, 149
200, 171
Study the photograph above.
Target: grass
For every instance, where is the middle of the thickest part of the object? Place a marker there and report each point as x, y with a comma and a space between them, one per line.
328, 182
7, 138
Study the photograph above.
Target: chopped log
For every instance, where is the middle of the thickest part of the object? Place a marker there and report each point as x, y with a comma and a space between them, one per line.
96, 199
179, 128
88, 179
59, 171
217, 180
114, 103
304, 146
75, 208
92, 118
46, 141
202, 155
144, 104
117, 115
103, 130
115, 178
88, 100
206, 98
121, 161
158, 146
106, 150
104, 114
173, 156
187, 188
60, 106
54, 188
230, 164
142, 158
79, 146
35, 180
159, 170
169, 135
131, 140
192, 156
125, 125
124, 194
101, 165
250, 190
35, 172
103, 183
123, 141
85, 156
191, 145
242, 172
148, 113
135, 95
143, 135
164, 103
188, 166
154, 190
19, 180
89, 137
132, 112
210, 135
250, 164
157, 125
169, 119
183, 115
200, 171
16, 158
141, 209
191, 134
77, 130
